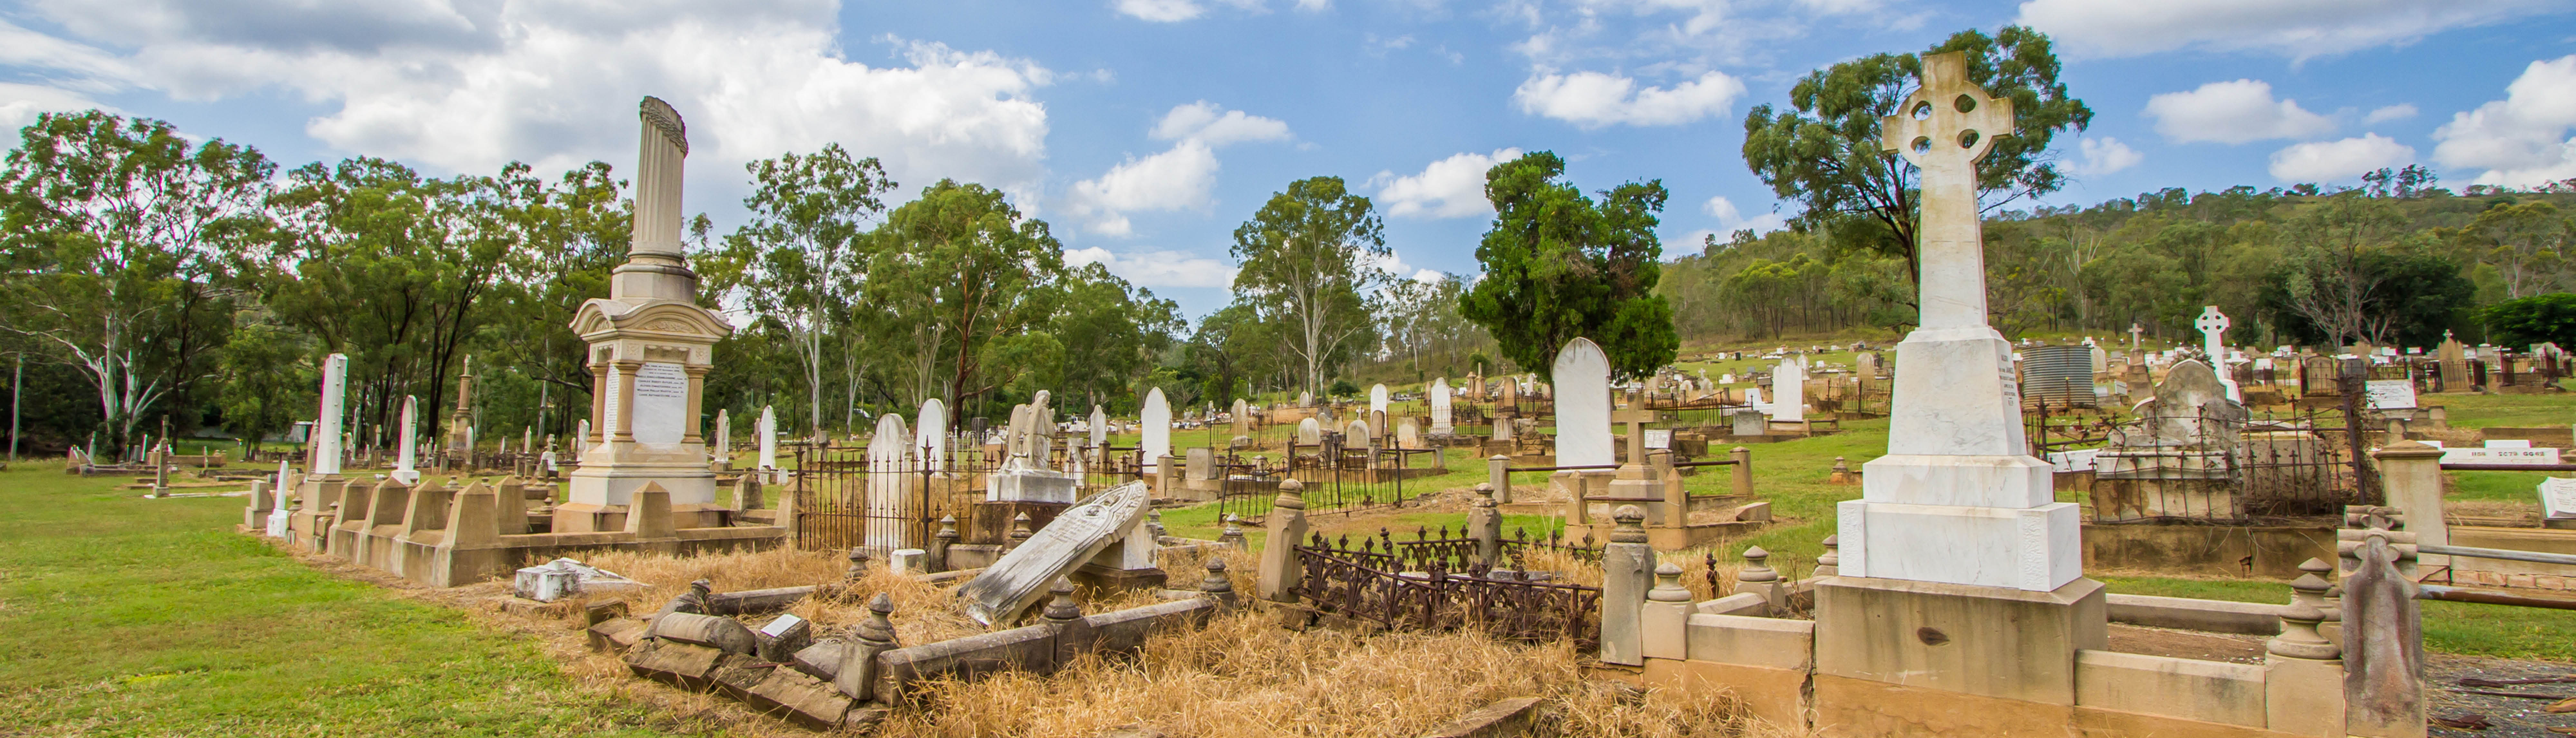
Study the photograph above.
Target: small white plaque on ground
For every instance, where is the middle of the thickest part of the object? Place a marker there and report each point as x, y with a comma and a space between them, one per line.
2390, 394
2558, 497
661, 402
2511, 456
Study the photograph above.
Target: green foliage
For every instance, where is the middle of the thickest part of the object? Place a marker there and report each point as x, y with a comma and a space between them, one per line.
1308, 267
1344, 388
2536, 319
800, 261
1559, 266
962, 267
1826, 155
119, 240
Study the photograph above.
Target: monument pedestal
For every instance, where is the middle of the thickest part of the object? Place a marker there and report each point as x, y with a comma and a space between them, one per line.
602, 489
309, 525
1986, 641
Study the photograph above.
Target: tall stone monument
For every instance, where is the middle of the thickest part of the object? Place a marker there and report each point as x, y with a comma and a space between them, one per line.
405, 446
322, 484
1957, 530
1155, 435
650, 347
460, 420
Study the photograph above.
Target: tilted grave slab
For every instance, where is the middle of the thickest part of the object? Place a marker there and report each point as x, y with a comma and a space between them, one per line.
1009, 586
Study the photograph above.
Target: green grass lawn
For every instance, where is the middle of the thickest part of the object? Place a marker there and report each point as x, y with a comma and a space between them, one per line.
122, 615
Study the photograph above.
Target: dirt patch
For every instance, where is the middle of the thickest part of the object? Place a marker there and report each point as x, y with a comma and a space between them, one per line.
2512, 717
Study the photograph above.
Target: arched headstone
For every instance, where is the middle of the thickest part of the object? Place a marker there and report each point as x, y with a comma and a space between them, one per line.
930, 432
1157, 421
1309, 432
1582, 378
889, 477
1441, 422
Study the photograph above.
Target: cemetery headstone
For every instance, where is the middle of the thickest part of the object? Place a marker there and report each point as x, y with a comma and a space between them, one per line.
1309, 432
930, 434
406, 445
1157, 428
2558, 498
1582, 376
1442, 422
1011, 584
1789, 390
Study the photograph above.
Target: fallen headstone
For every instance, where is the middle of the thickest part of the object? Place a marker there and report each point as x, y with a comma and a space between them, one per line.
1009, 586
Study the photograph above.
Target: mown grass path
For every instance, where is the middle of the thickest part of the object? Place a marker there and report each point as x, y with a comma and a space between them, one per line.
121, 615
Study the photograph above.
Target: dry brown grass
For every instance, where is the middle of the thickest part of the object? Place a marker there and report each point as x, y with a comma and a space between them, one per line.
1244, 676
1241, 675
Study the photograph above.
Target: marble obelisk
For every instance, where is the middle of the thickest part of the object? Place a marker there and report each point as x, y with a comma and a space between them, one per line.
406, 446
650, 349
322, 482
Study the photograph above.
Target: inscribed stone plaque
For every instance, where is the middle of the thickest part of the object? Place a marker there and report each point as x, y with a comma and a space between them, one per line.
2390, 394
2558, 497
661, 402
1659, 438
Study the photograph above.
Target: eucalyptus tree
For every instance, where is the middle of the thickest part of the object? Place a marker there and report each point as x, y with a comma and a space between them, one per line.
567, 236
1309, 262
802, 258
964, 273
120, 236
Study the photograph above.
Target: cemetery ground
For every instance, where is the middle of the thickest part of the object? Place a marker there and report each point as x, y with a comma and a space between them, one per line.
131, 616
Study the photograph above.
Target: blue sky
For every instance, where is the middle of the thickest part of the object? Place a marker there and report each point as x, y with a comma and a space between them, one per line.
1146, 130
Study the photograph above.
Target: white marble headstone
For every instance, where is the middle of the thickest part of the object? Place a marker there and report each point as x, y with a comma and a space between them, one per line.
1310, 432
930, 431
1789, 390
1157, 422
1582, 379
1442, 422
2558, 497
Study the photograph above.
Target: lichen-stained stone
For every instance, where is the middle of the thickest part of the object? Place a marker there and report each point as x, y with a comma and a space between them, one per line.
683, 665
801, 699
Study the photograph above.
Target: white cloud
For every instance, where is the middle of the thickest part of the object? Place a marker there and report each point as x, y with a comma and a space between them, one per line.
1594, 100
1157, 268
2105, 155
2521, 140
469, 86
1314, 6
1449, 188
1733, 219
1160, 11
2398, 111
2296, 28
2233, 112
1180, 178
20, 104
1209, 122
2328, 161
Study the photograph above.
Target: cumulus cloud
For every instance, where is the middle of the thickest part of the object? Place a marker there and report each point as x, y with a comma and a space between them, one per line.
2521, 140
2296, 28
469, 86
1163, 269
1159, 11
2327, 161
1173, 180
1733, 219
1206, 121
1595, 100
2233, 112
2105, 155
1449, 188
20, 104
2400, 111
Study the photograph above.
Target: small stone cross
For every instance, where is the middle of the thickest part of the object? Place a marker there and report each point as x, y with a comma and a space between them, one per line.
1636, 419
1944, 127
2134, 330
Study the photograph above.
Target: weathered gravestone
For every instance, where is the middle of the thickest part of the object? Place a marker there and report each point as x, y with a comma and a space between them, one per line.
1582, 379
930, 434
1309, 432
1110, 526
1157, 422
1442, 422
1789, 390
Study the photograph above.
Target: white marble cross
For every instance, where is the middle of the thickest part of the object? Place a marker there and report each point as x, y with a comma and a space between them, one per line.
2213, 341
2134, 330
1944, 128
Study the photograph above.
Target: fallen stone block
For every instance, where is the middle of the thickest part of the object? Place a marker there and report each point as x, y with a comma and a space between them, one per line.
682, 665
821, 660
783, 637
756, 600
801, 699
721, 633
736, 674
617, 634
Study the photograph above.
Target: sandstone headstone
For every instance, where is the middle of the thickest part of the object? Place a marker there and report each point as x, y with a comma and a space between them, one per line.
1309, 432
1407, 435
